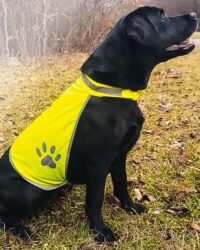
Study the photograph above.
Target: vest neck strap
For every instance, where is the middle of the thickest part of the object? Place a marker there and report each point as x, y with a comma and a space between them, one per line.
105, 89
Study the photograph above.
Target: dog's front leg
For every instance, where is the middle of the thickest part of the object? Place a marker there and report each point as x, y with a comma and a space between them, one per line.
119, 178
94, 200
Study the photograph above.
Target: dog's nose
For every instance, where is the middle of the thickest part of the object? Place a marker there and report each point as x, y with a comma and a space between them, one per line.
193, 15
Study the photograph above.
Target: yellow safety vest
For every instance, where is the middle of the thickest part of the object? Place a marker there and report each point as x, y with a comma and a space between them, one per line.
40, 154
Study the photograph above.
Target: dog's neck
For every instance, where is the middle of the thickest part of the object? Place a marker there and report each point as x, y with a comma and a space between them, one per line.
118, 65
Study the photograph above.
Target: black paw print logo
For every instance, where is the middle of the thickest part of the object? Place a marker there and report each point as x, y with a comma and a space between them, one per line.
48, 159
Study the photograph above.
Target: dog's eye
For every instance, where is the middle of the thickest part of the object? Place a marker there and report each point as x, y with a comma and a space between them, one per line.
163, 18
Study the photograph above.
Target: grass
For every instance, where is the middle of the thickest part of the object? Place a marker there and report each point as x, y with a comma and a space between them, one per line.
196, 35
164, 163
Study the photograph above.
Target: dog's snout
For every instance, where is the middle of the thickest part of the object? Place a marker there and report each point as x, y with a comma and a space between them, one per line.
193, 15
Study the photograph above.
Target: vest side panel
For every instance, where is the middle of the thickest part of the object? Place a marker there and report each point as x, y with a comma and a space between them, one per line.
39, 152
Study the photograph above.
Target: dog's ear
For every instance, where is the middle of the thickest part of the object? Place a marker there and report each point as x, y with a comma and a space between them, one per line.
139, 28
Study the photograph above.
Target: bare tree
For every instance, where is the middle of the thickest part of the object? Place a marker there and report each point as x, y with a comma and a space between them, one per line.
42, 28
5, 18
44, 43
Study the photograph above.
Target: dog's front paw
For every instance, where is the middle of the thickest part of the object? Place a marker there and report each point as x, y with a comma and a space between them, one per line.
134, 207
103, 235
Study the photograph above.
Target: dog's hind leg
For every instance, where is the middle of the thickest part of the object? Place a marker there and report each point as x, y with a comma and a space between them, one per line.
119, 178
17, 230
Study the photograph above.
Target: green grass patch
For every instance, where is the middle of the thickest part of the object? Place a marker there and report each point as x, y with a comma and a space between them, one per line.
165, 163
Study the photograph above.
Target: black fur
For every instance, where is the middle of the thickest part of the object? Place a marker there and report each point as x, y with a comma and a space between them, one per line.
108, 127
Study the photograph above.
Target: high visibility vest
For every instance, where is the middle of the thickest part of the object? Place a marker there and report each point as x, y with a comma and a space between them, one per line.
40, 154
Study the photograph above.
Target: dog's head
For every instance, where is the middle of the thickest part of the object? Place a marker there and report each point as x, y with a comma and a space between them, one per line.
168, 37
136, 44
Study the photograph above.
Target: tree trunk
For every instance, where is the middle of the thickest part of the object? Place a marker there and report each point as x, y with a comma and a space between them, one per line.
5, 27
44, 45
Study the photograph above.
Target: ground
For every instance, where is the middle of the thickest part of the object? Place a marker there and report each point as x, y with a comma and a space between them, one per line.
163, 167
196, 35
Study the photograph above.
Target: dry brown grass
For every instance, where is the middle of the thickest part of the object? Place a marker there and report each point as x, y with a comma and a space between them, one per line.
196, 35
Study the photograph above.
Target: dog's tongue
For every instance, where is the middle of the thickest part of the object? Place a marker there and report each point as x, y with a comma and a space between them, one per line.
184, 45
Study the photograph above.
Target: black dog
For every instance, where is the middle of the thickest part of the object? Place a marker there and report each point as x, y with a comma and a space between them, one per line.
109, 127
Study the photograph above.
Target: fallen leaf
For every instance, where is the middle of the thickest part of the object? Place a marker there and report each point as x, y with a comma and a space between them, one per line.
178, 211
143, 196
135, 164
186, 120
192, 135
136, 181
130, 181
165, 108
148, 131
183, 159
174, 75
190, 190
15, 133
156, 212
147, 197
2, 138
184, 186
167, 123
171, 211
168, 236
138, 194
195, 227
168, 199
176, 144
159, 121
149, 158
170, 70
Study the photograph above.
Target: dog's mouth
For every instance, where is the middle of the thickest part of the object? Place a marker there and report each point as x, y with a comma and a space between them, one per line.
185, 45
